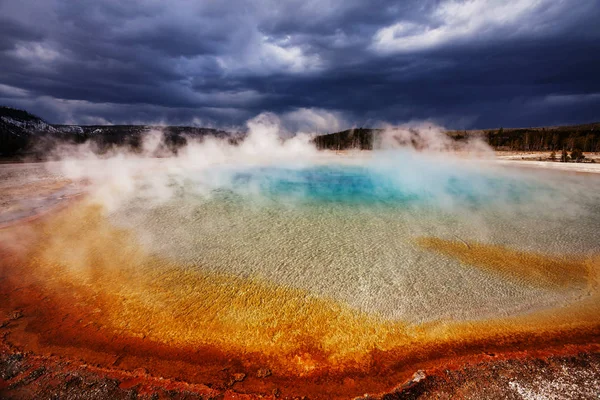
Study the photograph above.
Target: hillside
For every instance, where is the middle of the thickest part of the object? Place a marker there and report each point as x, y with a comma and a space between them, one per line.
585, 137
25, 135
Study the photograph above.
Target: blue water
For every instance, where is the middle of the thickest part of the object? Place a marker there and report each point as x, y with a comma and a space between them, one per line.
363, 185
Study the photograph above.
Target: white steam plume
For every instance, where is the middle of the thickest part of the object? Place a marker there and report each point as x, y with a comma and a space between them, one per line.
157, 174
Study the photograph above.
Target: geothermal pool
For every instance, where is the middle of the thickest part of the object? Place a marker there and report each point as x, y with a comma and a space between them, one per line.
343, 267
377, 238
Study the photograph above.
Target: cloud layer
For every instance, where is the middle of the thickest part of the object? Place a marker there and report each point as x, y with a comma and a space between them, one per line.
321, 65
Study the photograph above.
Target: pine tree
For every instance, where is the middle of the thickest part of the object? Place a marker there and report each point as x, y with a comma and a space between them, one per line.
577, 155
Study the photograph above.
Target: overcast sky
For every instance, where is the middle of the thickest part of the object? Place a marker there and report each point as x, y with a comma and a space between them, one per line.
318, 64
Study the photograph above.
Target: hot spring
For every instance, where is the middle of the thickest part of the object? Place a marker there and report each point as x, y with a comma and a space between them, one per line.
384, 237
336, 265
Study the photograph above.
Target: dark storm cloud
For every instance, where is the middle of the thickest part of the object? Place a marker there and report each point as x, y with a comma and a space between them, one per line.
475, 63
10, 31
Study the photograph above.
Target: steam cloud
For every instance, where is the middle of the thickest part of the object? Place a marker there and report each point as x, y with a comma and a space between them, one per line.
157, 173
411, 162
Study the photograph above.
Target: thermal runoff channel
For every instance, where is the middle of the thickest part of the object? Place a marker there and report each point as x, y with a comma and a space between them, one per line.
269, 254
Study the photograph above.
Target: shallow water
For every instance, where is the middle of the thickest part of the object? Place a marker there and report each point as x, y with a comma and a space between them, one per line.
350, 231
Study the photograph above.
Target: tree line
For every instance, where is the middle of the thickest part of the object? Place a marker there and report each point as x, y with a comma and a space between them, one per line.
584, 138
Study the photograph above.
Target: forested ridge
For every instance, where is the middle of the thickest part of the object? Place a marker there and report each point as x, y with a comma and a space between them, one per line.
25, 135
585, 137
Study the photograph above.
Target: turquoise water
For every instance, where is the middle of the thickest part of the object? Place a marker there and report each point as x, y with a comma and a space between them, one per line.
348, 230
366, 186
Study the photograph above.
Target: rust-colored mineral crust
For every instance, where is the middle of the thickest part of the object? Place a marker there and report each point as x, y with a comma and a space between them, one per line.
87, 309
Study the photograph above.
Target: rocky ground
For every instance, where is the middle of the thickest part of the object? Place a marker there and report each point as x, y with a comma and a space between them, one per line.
555, 377
28, 376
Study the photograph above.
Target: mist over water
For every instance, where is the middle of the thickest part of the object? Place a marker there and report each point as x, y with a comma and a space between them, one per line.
347, 227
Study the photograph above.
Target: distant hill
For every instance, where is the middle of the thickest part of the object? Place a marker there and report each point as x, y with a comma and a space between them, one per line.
585, 137
360, 138
25, 135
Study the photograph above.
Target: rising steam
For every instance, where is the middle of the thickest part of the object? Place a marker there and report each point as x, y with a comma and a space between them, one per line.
157, 173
